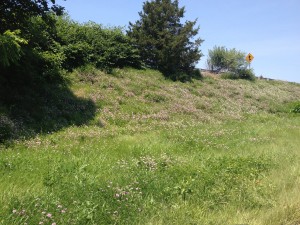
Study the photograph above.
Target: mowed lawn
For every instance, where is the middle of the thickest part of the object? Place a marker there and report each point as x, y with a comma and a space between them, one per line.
208, 152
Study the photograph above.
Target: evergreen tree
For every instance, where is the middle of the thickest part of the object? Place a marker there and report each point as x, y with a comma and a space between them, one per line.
164, 42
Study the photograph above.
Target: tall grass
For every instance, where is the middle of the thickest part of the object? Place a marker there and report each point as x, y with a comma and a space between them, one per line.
159, 152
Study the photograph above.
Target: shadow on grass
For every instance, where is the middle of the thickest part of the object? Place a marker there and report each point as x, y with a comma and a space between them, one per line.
28, 110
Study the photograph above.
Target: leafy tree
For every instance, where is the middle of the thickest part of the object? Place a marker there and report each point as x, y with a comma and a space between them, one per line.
32, 21
230, 61
39, 60
164, 42
10, 47
223, 59
14, 14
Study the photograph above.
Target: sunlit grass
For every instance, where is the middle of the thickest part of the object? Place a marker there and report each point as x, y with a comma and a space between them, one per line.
159, 152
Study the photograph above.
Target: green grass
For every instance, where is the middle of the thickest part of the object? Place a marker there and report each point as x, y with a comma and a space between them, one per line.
159, 152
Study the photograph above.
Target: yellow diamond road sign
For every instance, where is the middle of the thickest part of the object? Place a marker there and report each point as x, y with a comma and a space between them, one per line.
249, 58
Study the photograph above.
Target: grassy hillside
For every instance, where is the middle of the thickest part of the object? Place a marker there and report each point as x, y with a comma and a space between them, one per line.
134, 148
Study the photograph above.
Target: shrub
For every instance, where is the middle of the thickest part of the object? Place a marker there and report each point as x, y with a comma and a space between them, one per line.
186, 76
51, 63
76, 55
90, 43
246, 74
196, 74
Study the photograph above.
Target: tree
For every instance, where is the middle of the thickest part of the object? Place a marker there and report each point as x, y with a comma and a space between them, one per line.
14, 14
230, 61
10, 48
28, 42
223, 59
164, 42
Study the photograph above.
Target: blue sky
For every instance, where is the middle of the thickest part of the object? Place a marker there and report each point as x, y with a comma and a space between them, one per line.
268, 29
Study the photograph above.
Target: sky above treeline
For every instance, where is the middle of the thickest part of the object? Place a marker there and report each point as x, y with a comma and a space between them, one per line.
269, 30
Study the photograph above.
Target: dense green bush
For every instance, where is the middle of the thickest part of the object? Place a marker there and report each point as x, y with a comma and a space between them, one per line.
90, 43
186, 76
245, 74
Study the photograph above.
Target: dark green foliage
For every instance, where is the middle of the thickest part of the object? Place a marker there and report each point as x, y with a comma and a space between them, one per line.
91, 44
118, 50
246, 74
39, 57
14, 14
164, 42
10, 47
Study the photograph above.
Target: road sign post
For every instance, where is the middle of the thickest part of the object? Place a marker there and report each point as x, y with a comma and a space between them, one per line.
249, 59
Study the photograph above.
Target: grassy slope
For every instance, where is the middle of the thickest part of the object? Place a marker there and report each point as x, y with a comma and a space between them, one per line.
158, 152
